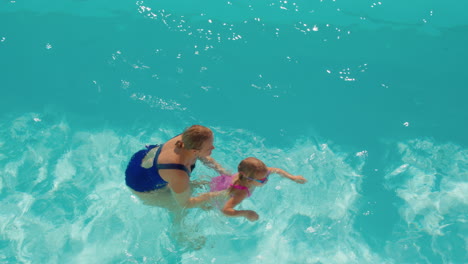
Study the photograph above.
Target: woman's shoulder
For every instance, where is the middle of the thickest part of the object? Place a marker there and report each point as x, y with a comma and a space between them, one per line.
173, 140
168, 154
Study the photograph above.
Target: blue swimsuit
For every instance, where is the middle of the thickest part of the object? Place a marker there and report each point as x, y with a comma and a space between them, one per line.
148, 179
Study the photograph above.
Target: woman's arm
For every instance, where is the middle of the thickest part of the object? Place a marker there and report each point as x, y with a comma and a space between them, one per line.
201, 199
235, 200
179, 183
211, 163
298, 178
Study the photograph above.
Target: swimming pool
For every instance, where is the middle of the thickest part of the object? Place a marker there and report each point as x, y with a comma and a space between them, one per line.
367, 100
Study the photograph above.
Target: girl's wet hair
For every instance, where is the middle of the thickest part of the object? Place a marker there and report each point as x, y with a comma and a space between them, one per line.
194, 136
249, 167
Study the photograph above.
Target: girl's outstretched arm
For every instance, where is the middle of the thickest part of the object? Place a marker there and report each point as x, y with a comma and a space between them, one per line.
236, 199
297, 178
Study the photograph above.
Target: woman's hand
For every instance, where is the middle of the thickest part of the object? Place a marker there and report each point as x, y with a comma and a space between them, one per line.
211, 163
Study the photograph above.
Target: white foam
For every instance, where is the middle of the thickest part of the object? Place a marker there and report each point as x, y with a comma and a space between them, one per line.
64, 170
397, 171
433, 189
310, 222
91, 206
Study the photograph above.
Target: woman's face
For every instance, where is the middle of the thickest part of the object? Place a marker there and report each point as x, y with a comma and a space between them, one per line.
206, 148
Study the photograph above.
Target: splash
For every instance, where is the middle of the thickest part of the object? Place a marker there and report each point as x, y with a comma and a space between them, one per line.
432, 185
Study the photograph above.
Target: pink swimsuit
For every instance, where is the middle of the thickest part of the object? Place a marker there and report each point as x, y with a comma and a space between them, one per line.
240, 187
223, 182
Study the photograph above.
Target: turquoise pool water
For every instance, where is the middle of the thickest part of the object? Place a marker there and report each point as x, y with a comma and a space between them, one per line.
367, 100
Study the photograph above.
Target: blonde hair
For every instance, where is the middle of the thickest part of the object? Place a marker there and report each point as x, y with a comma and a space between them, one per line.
194, 136
248, 167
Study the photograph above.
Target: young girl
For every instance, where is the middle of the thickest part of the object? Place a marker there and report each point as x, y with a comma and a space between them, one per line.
252, 173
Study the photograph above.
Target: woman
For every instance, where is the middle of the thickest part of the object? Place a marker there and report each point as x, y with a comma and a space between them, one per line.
159, 170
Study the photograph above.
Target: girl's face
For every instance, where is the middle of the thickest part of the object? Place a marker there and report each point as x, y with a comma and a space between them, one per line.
259, 179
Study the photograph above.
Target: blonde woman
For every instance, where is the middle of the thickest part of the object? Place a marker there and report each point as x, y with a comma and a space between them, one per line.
160, 174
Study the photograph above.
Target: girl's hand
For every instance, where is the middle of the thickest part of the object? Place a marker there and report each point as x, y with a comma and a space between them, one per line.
299, 179
251, 215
